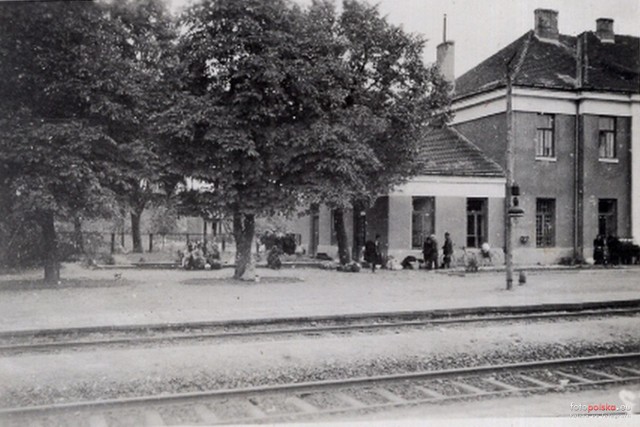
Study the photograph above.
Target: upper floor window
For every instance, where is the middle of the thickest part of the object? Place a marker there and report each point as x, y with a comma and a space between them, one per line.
607, 138
545, 143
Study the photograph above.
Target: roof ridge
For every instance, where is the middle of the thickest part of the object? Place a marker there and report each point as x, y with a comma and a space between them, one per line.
523, 55
571, 63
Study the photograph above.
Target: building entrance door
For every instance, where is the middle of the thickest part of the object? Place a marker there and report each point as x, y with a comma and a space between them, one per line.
607, 217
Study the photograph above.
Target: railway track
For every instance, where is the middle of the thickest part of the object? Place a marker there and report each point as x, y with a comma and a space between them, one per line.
12, 343
316, 400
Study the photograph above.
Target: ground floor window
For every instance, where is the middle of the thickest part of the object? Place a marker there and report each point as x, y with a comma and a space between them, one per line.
608, 217
545, 223
422, 220
476, 222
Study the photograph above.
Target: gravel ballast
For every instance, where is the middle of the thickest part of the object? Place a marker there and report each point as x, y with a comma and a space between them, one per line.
89, 375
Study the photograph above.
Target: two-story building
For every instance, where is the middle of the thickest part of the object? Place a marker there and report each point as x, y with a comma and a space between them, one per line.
576, 123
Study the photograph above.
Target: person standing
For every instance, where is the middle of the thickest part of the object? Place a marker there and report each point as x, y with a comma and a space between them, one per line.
447, 251
372, 253
434, 252
426, 252
599, 249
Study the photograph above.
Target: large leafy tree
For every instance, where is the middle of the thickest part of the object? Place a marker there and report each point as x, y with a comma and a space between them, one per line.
254, 86
391, 96
67, 87
146, 34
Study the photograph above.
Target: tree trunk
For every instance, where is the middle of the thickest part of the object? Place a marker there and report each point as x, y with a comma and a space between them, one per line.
359, 231
51, 263
77, 234
136, 236
341, 235
244, 227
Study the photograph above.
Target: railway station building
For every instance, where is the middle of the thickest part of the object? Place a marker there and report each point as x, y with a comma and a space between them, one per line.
576, 126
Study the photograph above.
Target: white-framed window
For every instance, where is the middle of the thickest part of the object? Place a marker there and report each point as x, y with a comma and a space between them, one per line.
545, 138
545, 223
607, 138
476, 222
422, 220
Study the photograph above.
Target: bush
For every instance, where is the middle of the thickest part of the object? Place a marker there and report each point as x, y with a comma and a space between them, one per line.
215, 265
472, 265
273, 259
352, 267
286, 242
569, 260
20, 245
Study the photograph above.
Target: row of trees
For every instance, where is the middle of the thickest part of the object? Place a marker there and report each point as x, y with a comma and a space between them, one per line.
273, 106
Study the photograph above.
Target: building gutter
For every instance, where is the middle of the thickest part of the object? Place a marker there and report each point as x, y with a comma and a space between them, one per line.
578, 252
578, 195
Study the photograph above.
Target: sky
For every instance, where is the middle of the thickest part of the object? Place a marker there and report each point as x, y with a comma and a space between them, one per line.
480, 28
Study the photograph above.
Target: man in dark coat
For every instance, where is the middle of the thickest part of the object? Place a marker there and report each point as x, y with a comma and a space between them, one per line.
434, 252
372, 253
599, 245
447, 251
427, 252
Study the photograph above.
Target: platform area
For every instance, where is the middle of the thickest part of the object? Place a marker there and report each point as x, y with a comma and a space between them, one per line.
90, 297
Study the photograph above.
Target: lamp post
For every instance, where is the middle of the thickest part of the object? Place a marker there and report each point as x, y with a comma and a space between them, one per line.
512, 191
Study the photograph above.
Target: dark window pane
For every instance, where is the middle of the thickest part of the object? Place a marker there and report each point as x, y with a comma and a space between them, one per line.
545, 222
476, 224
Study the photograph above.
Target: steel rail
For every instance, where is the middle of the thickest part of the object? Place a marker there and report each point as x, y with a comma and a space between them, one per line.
323, 385
428, 314
138, 340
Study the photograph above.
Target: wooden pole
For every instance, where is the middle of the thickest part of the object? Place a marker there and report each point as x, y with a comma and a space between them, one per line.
509, 184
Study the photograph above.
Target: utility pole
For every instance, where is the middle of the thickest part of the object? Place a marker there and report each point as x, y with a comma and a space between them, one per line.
509, 184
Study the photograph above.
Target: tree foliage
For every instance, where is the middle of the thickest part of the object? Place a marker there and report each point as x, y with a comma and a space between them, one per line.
254, 86
391, 97
264, 103
70, 85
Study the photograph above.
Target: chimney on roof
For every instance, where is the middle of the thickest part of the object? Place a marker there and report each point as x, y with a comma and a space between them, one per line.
445, 55
546, 24
604, 30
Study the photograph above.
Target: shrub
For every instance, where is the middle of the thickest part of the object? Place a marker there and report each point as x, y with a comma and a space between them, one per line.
352, 267
273, 259
286, 242
472, 265
20, 245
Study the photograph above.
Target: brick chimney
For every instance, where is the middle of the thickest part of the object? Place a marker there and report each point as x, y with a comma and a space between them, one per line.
445, 60
604, 30
546, 24
445, 55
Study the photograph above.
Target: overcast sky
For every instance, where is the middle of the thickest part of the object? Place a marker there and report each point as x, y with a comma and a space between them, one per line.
480, 28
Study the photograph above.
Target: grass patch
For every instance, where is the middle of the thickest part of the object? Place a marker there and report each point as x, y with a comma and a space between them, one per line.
39, 284
230, 281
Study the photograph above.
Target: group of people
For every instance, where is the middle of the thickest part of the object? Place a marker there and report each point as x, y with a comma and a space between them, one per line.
606, 250
373, 253
198, 256
430, 252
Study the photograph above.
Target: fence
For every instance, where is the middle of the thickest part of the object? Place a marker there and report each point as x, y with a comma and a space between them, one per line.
93, 241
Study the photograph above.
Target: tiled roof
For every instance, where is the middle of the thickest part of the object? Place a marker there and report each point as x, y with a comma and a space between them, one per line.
611, 67
445, 151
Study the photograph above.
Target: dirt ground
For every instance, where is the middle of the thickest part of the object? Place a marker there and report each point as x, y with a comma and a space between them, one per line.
88, 297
